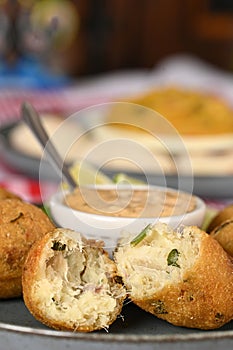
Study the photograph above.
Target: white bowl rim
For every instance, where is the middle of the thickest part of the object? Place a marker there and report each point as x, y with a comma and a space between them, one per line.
56, 199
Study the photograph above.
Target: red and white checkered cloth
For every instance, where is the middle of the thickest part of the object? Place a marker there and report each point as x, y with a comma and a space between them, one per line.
43, 101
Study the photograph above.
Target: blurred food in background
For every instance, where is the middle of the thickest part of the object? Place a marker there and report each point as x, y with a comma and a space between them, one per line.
190, 111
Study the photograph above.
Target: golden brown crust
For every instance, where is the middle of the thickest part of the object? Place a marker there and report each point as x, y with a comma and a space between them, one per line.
10, 288
204, 298
5, 194
21, 224
224, 235
39, 307
29, 277
223, 215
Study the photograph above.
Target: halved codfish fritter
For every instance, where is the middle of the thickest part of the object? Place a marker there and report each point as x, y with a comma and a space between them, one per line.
184, 277
70, 283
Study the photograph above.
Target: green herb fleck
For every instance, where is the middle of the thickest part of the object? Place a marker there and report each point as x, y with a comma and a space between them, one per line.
141, 235
159, 307
173, 257
58, 246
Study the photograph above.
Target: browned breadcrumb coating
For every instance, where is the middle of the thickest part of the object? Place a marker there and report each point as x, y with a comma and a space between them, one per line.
184, 277
223, 215
21, 224
70, 283
224, 235
5, 194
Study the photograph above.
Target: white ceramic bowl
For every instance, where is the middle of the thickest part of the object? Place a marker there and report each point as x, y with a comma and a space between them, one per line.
110, 228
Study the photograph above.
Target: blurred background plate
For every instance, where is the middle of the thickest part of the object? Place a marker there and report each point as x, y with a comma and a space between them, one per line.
214, 186
21, 162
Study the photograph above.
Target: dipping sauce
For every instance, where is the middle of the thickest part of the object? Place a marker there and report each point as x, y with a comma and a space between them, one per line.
131, 202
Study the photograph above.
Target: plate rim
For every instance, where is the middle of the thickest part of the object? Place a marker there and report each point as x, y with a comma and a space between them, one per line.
108, 337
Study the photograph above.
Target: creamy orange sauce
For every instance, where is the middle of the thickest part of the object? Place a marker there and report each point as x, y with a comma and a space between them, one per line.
130, 202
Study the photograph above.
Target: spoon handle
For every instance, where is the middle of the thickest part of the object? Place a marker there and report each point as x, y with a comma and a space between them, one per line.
32, 119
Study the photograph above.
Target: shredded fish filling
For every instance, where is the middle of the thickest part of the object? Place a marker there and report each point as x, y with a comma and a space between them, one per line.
162, 256
75, 283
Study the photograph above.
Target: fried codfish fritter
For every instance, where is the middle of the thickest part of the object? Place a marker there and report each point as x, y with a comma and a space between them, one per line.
224, 235
21, 224
225, 214
70, 283
183, 276
5, 194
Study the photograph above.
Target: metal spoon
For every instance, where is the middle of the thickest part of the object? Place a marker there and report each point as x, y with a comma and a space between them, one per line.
32, 119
